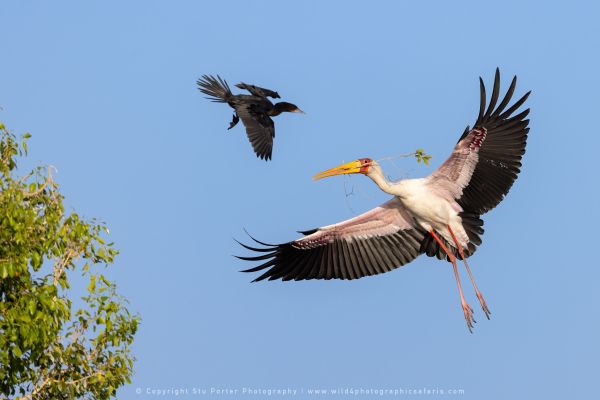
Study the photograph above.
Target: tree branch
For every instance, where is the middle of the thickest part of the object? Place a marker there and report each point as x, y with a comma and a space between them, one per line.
39, 190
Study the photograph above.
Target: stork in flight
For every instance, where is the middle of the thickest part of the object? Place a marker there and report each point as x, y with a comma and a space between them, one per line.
438, 215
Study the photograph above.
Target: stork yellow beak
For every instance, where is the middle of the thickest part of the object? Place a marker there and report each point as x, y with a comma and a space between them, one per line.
353, 167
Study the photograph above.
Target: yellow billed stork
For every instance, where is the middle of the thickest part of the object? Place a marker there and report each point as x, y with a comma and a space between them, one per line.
438, 215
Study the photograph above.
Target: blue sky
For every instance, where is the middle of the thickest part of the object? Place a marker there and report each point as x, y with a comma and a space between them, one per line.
107, 90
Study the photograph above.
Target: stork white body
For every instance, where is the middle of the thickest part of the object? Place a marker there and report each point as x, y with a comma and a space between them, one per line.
430, 210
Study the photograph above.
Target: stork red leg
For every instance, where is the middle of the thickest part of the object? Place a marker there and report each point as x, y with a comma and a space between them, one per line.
484, 306
467, 310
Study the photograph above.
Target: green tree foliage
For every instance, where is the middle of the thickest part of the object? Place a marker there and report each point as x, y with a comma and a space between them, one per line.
49, 348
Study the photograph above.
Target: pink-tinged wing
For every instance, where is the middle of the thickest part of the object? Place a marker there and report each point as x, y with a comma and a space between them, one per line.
372, 243
455, 173
487, 159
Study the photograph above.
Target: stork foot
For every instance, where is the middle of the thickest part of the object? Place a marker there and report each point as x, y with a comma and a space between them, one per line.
484, 306
468, 311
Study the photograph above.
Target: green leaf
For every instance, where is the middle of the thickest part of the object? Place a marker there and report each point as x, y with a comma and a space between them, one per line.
104, 280
31, 306
92, 286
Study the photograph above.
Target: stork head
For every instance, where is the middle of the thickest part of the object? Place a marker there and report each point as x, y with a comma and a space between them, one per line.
361, 166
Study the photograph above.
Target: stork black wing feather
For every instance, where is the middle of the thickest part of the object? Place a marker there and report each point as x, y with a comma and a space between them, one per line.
515, 106
339, 258
507, 97
481, 99
495, 93
500, 153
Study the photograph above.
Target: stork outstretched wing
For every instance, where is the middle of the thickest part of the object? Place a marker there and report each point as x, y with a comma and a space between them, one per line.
487, 159
375, 242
